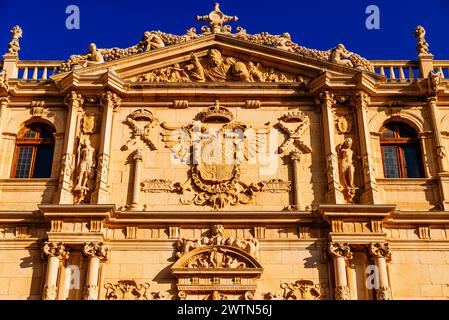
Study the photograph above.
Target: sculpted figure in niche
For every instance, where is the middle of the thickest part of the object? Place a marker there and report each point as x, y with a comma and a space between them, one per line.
345, 155
95, 54
217, 69
86, 164
152, 41
339, 53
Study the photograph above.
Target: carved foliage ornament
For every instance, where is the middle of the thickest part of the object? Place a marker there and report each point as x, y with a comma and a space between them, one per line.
380, 250
99, 250
337, 249
127, 290
216, 19
53, 249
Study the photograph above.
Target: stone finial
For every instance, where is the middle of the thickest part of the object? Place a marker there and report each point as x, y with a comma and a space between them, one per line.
98, 250
216, 19
422, 47
53, 249
14, 46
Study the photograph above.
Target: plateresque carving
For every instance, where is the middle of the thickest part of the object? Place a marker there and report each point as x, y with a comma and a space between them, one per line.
216, 68
294, 125
346, 169
216, 19
85, 171
127, 290
134, 120
157, 185
215, 155
216, 259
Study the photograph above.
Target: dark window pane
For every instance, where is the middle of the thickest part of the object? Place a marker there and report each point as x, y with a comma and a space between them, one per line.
30, 133
44, 158
411, 157
46, 134
24, 157
390, 157
405, 132
388, 133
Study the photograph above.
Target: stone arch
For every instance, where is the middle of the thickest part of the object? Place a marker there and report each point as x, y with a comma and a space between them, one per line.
377, 122
15, 124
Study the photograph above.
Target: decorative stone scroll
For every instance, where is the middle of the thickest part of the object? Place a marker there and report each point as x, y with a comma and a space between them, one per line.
156, 39
214, 67
216, 263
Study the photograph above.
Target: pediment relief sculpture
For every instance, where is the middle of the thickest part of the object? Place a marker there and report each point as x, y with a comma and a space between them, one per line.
214, 67
156, 39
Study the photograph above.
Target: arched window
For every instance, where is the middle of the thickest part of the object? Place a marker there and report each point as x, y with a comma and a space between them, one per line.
401, 151
34, 152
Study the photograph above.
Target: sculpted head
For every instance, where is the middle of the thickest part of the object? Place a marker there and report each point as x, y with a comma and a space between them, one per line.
287, 36
215, 57
92, 47
217, 229
341, 46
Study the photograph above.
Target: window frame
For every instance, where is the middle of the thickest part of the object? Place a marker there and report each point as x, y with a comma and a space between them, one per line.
24, 142
398, 143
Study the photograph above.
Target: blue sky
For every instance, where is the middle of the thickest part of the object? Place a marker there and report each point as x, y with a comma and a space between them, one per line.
314, 24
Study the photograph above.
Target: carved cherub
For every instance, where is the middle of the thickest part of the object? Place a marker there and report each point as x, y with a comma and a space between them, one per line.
95, 55
152, 41
339, 53
284, 42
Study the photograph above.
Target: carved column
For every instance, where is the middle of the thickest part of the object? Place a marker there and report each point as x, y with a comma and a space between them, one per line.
295, 159
381, 253
111, 103
333, 193
360, 102
340, 252
55, 253
74, 103
95, 252
138, 157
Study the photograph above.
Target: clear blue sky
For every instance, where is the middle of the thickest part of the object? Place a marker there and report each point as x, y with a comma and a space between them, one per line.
315, 24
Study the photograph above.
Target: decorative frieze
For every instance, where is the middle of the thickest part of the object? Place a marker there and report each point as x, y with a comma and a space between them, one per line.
38, 109
127, 290
275, 186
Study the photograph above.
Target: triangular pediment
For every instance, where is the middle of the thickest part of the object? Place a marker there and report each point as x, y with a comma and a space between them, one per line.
214, 58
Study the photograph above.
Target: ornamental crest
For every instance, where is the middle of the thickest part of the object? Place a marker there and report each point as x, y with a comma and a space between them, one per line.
215, 147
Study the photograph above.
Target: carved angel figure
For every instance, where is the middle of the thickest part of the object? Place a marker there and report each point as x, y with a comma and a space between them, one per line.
284, 42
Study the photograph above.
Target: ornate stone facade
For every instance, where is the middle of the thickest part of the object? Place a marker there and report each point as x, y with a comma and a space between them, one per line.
222, 165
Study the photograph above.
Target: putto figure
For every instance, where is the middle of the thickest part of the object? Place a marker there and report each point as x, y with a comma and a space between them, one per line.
152, 41
339, 53
346, 166
95, 54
